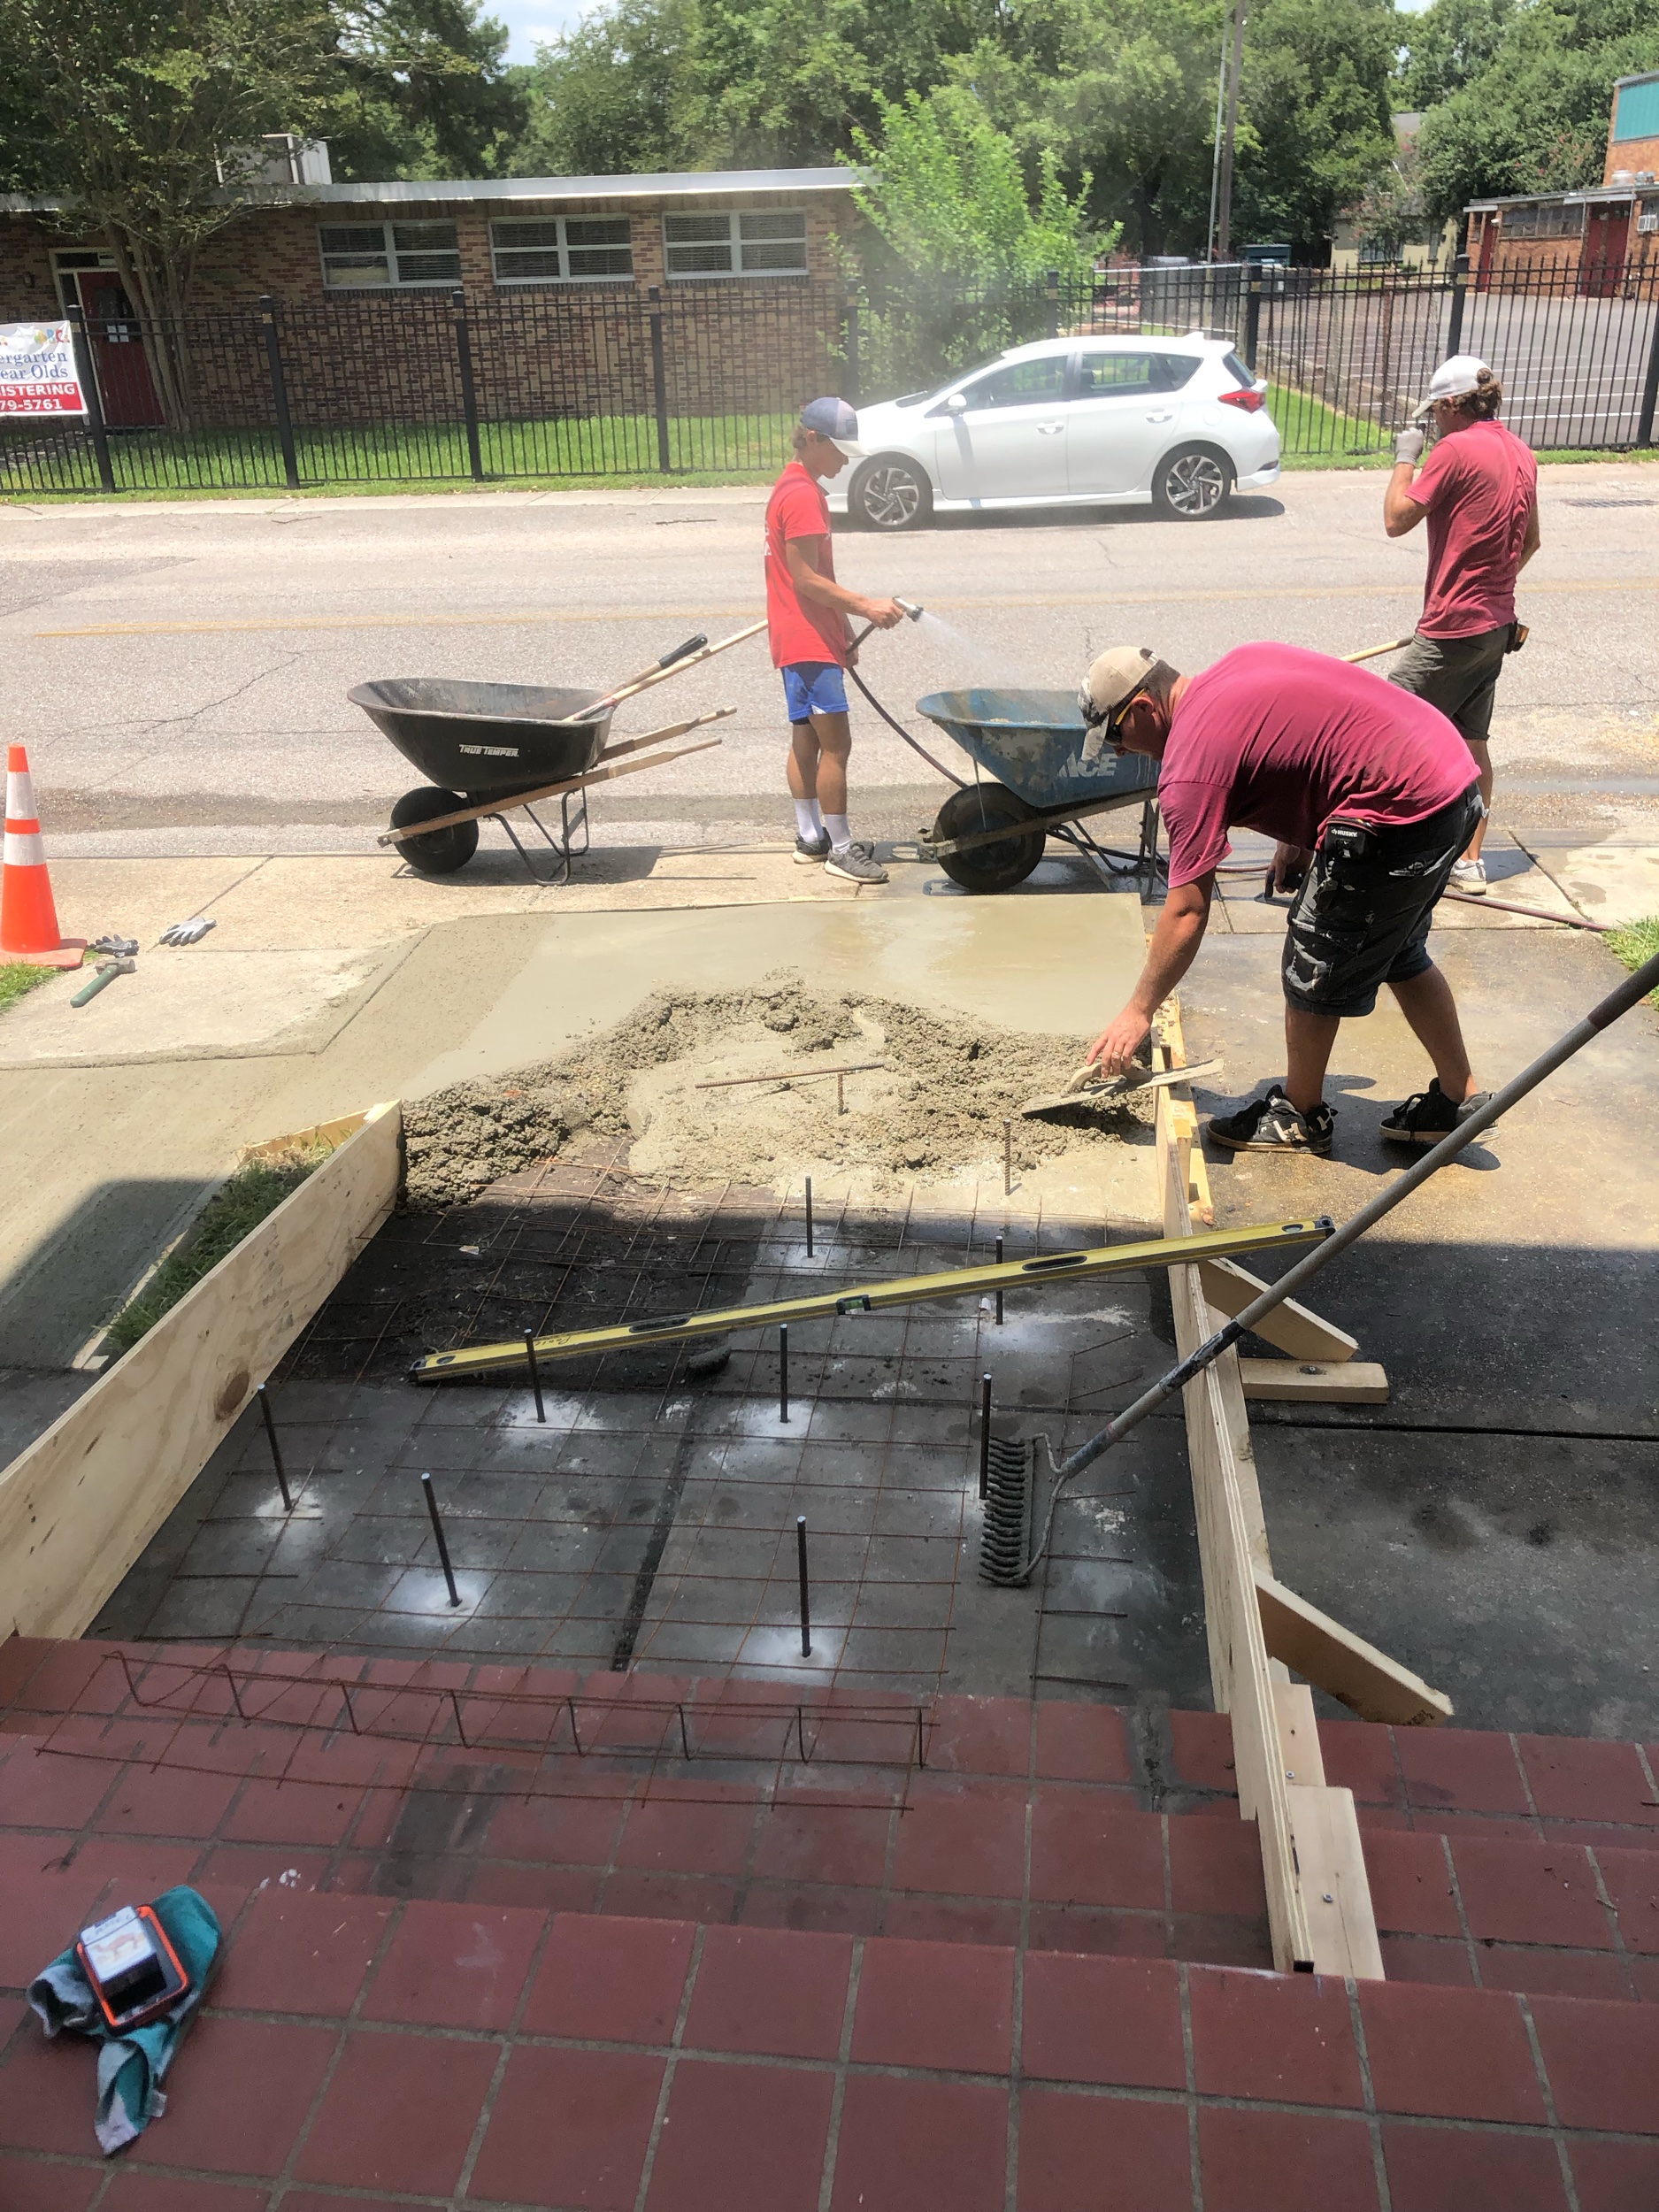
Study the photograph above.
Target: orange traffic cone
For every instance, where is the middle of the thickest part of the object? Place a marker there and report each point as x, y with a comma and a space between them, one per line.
28, 919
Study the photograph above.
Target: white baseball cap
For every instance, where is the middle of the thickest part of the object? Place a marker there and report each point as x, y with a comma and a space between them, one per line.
1454, 380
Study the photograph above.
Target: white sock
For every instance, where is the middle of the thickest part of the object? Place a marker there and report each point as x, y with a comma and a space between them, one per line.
808, 821
840, 836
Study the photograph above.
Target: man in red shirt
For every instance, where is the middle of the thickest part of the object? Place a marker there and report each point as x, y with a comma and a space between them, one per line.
1329, 760
1478, 488
806, 614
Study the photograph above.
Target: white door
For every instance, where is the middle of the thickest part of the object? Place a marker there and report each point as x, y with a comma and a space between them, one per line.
1009, 442
1121, 420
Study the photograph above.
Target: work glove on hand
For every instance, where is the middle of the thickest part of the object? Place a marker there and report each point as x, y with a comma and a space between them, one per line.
1409, 446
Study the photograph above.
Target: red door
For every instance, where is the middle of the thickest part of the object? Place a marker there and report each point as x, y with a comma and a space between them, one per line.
125, 385
1488, 242
1602, 271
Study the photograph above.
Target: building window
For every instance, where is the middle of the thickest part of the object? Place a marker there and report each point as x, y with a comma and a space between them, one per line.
747, 242
1543, 222
563, 250
376, 256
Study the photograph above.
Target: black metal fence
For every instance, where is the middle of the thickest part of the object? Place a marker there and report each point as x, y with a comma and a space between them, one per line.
701, 380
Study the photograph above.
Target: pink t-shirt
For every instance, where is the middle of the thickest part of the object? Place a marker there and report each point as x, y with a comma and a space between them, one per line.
800, 629
1276, 739
1480, 486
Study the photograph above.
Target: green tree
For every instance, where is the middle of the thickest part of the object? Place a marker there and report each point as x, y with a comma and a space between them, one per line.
424, 91
1447, 46
1534, 118
1316, 109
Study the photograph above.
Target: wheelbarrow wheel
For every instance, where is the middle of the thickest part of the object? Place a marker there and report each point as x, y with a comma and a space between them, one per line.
1001, 864
444, 850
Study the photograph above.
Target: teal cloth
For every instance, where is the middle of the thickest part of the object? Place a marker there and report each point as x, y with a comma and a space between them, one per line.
131, 2067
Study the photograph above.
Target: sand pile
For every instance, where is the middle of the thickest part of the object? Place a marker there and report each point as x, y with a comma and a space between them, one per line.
936, 1102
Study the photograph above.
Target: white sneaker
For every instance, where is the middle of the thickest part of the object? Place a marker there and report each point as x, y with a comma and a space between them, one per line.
856, 863
1469, 878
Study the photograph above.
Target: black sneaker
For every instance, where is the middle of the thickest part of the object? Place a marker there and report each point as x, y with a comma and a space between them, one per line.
812, 851
1272, 1124
1428, 1116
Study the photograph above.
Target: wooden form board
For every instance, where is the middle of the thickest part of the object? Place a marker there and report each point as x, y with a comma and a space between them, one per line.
78, 1506
1304, 1335
1354, 1382
1318, 1899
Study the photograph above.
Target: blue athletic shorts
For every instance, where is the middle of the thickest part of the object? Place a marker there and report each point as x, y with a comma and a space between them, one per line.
814, 687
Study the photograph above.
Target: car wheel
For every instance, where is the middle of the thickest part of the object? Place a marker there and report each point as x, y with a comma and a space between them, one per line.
891, 494
1002, 862
1193, 484
445, 850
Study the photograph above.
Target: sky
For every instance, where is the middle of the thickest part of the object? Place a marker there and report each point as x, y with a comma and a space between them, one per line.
531, 21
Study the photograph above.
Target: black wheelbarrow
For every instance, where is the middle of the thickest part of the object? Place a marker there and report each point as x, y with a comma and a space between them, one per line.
989, 836
489, 749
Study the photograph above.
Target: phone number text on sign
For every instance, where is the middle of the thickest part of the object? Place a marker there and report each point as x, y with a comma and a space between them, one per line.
37, 371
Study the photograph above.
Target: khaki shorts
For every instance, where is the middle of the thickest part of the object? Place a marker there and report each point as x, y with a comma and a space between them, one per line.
1457, 674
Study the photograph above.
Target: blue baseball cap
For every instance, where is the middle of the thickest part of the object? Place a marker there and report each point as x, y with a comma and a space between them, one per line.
834, 420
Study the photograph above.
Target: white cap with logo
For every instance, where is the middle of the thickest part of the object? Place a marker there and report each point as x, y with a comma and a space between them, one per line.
1454, 380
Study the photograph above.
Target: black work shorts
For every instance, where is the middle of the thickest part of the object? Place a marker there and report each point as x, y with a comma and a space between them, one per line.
1362, 918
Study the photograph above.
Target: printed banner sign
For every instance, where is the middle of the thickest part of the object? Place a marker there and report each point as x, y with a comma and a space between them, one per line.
37, 371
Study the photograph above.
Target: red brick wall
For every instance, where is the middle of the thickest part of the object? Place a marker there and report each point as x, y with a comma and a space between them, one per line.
26, 269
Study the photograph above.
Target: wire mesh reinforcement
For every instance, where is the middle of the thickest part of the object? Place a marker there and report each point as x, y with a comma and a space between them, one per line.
688, 382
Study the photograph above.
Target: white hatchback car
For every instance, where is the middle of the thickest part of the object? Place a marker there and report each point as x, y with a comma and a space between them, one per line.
1070, 422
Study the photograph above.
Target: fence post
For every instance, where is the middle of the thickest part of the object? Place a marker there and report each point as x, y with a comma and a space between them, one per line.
1051, 294
1252, 315
851, 349
469, 393
1460, 289
1650, 386
659, 378
280, 393
88, 380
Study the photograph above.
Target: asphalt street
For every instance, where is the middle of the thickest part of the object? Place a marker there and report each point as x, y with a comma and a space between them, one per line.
180, 670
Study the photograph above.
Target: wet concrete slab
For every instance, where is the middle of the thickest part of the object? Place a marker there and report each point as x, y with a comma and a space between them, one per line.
1496, 1525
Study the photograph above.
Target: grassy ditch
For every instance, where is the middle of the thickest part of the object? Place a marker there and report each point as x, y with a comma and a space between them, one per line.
1637, 941
17, 979
233, 1211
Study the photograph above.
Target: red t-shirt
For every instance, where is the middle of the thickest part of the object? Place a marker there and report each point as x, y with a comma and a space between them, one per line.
1478, 486
1276, 739
800, 631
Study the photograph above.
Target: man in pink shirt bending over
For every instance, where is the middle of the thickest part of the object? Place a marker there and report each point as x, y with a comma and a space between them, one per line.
1377, 787
1478, 488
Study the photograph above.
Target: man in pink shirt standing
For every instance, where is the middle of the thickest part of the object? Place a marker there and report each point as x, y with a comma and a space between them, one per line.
1331, 761
1478, 489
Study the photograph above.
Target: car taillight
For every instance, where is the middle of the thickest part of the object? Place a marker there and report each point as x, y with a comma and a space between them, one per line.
1249, 399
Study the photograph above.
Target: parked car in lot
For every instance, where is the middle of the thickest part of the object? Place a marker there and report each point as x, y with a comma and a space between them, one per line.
1068, 422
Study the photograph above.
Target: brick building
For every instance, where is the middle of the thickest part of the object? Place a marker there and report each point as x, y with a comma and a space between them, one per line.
1608, 233
560, 277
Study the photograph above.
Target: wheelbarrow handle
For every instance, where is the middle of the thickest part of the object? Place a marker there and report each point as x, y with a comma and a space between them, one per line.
691, 645
687, 657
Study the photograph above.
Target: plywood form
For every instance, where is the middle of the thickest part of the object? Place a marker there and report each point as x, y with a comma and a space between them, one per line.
78, 1508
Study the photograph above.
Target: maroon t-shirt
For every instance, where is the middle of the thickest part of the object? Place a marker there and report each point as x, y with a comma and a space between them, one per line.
1276, 739
1478, 486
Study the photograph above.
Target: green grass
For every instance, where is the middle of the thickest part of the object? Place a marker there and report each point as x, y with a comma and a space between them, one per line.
240, 1206
1636, 943
17, 979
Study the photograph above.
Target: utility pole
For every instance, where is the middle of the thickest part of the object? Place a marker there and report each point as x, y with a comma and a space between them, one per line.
1214, 141
1224, 210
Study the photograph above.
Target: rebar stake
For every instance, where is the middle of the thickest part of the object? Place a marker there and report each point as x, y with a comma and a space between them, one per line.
783, 1371
985, 1436
276, 1451
536, 1373
809, 1216
806, 1610
840, 1092
437, 1530
1008, 1159
999, 1286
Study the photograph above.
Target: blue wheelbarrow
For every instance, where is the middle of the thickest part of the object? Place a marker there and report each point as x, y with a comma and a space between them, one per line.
989, 836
